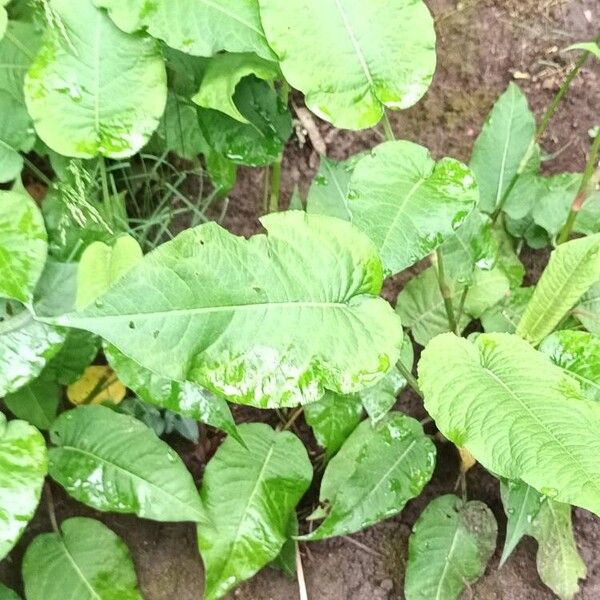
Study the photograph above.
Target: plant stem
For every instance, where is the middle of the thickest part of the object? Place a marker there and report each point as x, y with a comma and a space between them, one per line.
51, 511
586, 187
410, 378
275, 184
293, 418
445, 290
543, 126
461, 306
104, 179
300, 575
41, 176
266, 190
387, 128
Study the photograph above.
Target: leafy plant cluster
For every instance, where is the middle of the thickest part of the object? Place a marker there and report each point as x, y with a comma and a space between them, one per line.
291, 319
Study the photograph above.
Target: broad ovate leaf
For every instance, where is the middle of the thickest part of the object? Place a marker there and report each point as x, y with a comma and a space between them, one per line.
578, 352
249, 493
85, 560
518, 414
92, 89
352, 59
504, 143
112, 462
23, 245
101, 265
223, 73
521, 503
573, 268
333, 419
270, 321
26, 346
198, 27
184, 398
449, 548
375, 473
23, 466
407, 203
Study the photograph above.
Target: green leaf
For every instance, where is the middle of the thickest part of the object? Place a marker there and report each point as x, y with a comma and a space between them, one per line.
93, 90
85, 560
487, 290
37, 402
449, 548
286, 559
588, 309
75, 355
23, 466
249, 494
503, 144
353, 59
328, 193
7, 593
505, 317
516, 412
260, 142
379, 399
558, 561
223, 74
3, 21
224, 312
112, 462
183, 398
199, 27
587, 221
376, 472
333, 419
573, 268
25, 348
578, 353
407, 203
23, 245
586, 47
473, 245
101, 265
521, 503
508, 261
56, 289
554, 201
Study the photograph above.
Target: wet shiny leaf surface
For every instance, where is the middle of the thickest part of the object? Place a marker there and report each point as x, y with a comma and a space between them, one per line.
112, 462
249, 494
375, 473
23, 465
86, 560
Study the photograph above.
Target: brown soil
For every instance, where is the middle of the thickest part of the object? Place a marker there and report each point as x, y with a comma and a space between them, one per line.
482, 46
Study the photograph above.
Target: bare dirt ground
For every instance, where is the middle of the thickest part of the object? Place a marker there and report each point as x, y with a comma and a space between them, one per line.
482, 46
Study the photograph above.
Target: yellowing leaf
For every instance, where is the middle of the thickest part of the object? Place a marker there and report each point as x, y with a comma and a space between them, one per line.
467, 461
98, 385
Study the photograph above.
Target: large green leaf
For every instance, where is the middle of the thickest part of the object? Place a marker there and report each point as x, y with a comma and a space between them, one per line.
23, 245
502, 145
352, 59
16, 135
578, 352
376, 472
573, 268
199, 27
113, 462
517, 413
270, 321
23, 465
184, 398
333, 419
588, 309
26, 346
37, 402
558, 561
249, 494
93, 90
449, 548
85, 560
407, 203
223, 74
521, 503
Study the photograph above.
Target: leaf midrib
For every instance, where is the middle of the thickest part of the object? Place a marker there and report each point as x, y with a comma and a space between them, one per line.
76, 568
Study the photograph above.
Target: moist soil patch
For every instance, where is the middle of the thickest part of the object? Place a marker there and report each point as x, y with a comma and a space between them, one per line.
482, 45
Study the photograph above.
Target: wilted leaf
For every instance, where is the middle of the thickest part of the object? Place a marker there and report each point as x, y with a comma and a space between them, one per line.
249, 494
97, 385
85, 559
450, 546
223, 312
518, 414
23, 466
352, 59
375, 473
112, 462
